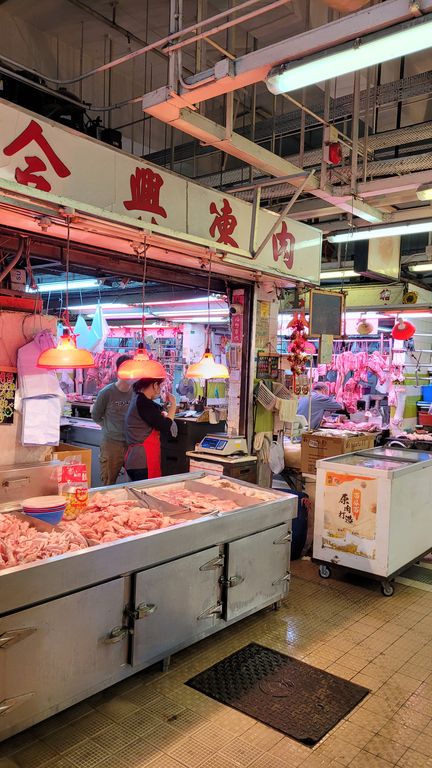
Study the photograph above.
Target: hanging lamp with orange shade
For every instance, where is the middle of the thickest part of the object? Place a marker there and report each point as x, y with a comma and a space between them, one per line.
141, 366
207, 367
66, 356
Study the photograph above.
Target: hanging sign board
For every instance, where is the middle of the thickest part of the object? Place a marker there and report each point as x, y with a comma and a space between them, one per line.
325, 313
325, 353
8, 382
267, 366
46, 161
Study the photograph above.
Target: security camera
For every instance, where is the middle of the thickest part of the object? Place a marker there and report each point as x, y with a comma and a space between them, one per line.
236, 309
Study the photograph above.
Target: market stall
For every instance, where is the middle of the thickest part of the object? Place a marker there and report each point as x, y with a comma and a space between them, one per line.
372, 512
147, 569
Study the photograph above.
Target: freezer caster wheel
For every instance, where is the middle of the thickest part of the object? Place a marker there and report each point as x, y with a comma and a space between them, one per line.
324, 571
277, 605
387, 588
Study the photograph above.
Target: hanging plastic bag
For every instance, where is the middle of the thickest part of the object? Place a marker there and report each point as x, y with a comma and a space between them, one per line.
276, 456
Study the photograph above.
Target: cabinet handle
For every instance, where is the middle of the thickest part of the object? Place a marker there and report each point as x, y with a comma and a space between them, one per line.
214, 564
14, 636
7, 705
284, 539
116, 635
144, 609
287, 577
233, 581
214, 610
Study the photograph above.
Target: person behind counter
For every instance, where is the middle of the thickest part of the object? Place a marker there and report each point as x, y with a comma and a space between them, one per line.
109, 411
321, 401
145, 422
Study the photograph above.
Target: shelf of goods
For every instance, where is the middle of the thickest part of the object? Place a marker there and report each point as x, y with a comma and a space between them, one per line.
74, 624
372, 512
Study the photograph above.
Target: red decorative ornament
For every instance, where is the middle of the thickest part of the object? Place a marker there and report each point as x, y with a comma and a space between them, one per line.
403, 330
297, 350
335, 153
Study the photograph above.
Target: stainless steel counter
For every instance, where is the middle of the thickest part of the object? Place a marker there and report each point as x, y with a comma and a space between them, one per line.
75, 624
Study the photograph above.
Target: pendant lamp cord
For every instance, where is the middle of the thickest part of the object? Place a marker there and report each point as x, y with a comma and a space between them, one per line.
208, 302
66, 312
144, 292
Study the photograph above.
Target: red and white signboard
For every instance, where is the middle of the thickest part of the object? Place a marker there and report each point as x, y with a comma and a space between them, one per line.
57, 161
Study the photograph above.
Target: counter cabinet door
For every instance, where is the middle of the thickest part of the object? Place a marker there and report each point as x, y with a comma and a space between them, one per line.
257, 570
176, 603
51, 653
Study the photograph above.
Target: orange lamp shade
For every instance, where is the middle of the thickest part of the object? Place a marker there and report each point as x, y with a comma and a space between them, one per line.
66, 355
207, 368
403, 330
141, 367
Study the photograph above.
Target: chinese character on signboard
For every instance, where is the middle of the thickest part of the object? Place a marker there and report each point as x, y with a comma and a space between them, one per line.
224, 223
145, 187
283, 246
29, 176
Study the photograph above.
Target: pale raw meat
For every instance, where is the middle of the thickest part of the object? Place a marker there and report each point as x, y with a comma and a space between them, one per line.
21, 543
253, 493
106, 519
202, 503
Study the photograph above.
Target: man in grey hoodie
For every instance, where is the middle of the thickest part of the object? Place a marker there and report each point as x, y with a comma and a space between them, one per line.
109, 411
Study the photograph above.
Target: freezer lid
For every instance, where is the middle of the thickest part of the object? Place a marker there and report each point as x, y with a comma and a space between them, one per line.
367, 462
398, 454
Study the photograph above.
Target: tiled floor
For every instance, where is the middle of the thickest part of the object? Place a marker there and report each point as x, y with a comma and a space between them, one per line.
153, 720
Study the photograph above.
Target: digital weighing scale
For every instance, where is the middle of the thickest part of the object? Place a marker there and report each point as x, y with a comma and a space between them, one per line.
222, 445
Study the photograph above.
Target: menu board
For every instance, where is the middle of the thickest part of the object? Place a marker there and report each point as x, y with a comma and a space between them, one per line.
325, 311
8, 384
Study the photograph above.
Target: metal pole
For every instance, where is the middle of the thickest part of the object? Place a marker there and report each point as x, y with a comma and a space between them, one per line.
282, 215
355, 132
323, 180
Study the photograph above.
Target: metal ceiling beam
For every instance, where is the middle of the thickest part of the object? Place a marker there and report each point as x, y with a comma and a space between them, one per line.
209, 132
229, 75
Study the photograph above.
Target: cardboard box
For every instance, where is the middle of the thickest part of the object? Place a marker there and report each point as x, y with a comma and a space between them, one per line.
84, 456
325, 444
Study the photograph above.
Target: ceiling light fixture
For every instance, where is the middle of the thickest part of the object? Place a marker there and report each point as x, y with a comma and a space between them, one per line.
425, 267
424, 192
74, 285
65, 355
367, 233
338, 274
361, 53
207, 367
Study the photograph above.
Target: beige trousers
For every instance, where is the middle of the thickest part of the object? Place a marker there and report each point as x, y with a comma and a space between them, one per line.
111, 460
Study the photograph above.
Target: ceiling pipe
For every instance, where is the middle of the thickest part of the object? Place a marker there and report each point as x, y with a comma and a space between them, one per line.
149, 46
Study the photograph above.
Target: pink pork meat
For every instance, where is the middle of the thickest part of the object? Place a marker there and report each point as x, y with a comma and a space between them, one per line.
21, 543
107, 520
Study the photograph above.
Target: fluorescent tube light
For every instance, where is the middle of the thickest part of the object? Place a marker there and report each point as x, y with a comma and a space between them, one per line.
167, 302
363, 52
426, 267
74, 285
370, 234
424, 192
338, 274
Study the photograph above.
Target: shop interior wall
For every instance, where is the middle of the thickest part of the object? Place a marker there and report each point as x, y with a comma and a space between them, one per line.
17, 329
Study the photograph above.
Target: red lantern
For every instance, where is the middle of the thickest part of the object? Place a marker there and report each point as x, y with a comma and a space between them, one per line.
403, 330
335, 153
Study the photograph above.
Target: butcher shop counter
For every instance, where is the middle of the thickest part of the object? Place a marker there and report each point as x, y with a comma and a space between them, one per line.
74, 624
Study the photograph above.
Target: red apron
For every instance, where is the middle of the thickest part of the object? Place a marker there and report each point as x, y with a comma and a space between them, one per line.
152, 448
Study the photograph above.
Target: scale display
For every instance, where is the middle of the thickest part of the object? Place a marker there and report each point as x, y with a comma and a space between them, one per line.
214, 443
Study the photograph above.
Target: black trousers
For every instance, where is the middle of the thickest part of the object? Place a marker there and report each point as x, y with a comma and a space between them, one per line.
138, 474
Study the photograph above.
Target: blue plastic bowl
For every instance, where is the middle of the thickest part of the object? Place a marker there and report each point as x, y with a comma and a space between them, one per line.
48, 517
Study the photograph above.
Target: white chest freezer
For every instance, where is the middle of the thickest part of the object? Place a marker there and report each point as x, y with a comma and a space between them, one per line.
373, 512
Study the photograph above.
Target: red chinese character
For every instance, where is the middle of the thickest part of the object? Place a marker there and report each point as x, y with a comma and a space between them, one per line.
145, 186
225, 223
283, 245
28, 176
